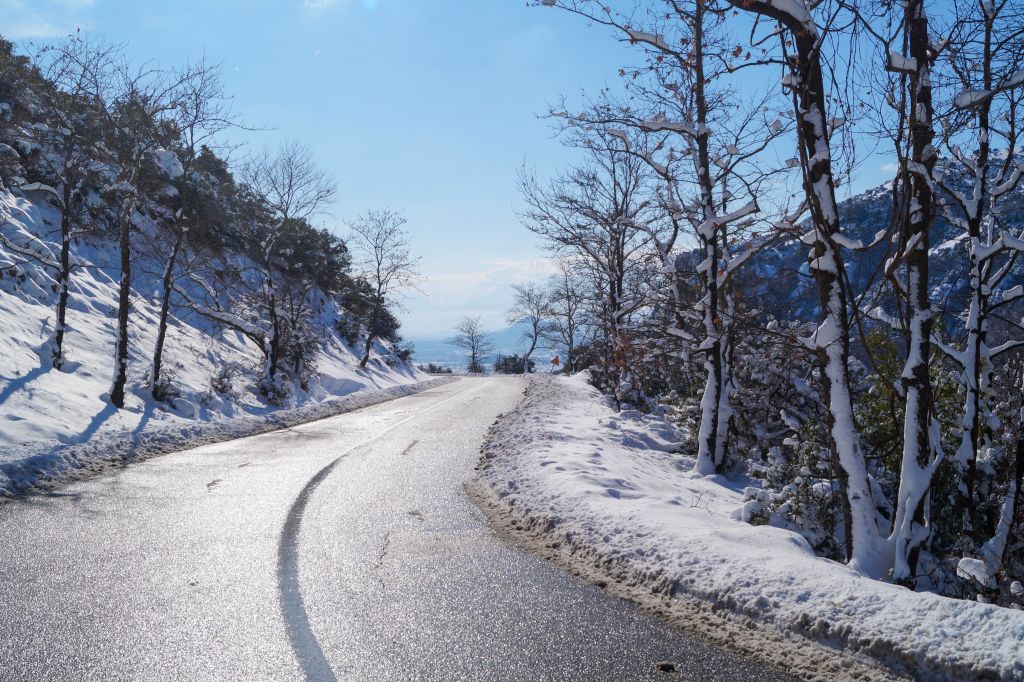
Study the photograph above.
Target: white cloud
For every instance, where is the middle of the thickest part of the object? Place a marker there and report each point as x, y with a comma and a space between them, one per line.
41, 18
317, 5
486, 291
497, 273
33, 29
889, 167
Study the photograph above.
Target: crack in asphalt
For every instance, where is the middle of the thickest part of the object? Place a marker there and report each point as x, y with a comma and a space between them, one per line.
293, 609
410, 447
379, 566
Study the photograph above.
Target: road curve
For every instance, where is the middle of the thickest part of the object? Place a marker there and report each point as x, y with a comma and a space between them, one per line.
344, 548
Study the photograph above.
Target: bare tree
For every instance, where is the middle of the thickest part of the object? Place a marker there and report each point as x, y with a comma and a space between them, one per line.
987, 61
531, 306
78, 70
471, 337
915, 205
598, 211
800, 27
312, 270
922, 450
705, 150
289, 186
980, 129
137, 117
201, 112
568, 298
386, 264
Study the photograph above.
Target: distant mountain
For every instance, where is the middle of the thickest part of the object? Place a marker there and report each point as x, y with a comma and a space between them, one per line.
781, 282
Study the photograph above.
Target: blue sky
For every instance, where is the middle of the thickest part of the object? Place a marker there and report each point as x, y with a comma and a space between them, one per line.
424, 106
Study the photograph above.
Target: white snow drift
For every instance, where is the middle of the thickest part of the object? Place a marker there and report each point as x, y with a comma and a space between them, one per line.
610, 486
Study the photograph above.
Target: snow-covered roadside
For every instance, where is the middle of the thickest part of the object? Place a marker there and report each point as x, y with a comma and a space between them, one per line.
56, 423
603, 494
31, 465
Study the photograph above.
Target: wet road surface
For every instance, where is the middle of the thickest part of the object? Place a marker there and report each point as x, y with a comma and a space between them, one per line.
345, 548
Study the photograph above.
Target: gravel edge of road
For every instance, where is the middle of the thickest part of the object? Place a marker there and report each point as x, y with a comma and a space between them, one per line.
44, 471
533, 531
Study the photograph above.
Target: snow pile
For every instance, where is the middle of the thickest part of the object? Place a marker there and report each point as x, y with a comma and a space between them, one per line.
55, 420
605, 487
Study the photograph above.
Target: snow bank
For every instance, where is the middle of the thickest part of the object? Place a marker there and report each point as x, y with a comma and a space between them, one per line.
606, 489
27, 466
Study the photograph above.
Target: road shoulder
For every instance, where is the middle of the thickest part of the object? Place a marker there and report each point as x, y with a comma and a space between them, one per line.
526, 521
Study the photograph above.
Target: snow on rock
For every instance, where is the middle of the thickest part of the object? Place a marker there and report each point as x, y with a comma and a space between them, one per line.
975, 569
608, 484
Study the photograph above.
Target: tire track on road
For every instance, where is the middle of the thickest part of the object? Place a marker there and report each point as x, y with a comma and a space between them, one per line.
293, 609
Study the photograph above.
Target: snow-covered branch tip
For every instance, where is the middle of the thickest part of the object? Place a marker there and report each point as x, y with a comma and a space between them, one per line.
970, 99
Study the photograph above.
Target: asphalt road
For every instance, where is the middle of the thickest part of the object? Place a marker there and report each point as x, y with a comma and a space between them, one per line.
344, 549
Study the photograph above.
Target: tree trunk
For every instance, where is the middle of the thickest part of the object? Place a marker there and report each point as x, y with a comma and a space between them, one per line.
165, 307
275, 340
299, 368
526, 357
971, 418
123, 305
708, 462
710, 455
366, 353
570, 348
710, 402
921, 449
272, 345
725, 411
371, 336
975, 357
831, 340
63, 282
832, 337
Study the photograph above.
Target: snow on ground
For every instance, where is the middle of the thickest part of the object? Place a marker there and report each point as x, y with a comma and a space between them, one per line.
55, 420
42, 463
607, 488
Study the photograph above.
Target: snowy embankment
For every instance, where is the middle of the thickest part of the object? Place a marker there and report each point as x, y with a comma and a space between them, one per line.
22, 467
56, 422
604, 494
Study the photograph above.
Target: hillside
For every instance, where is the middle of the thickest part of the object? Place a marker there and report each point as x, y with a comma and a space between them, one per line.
214, 371
150, 287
